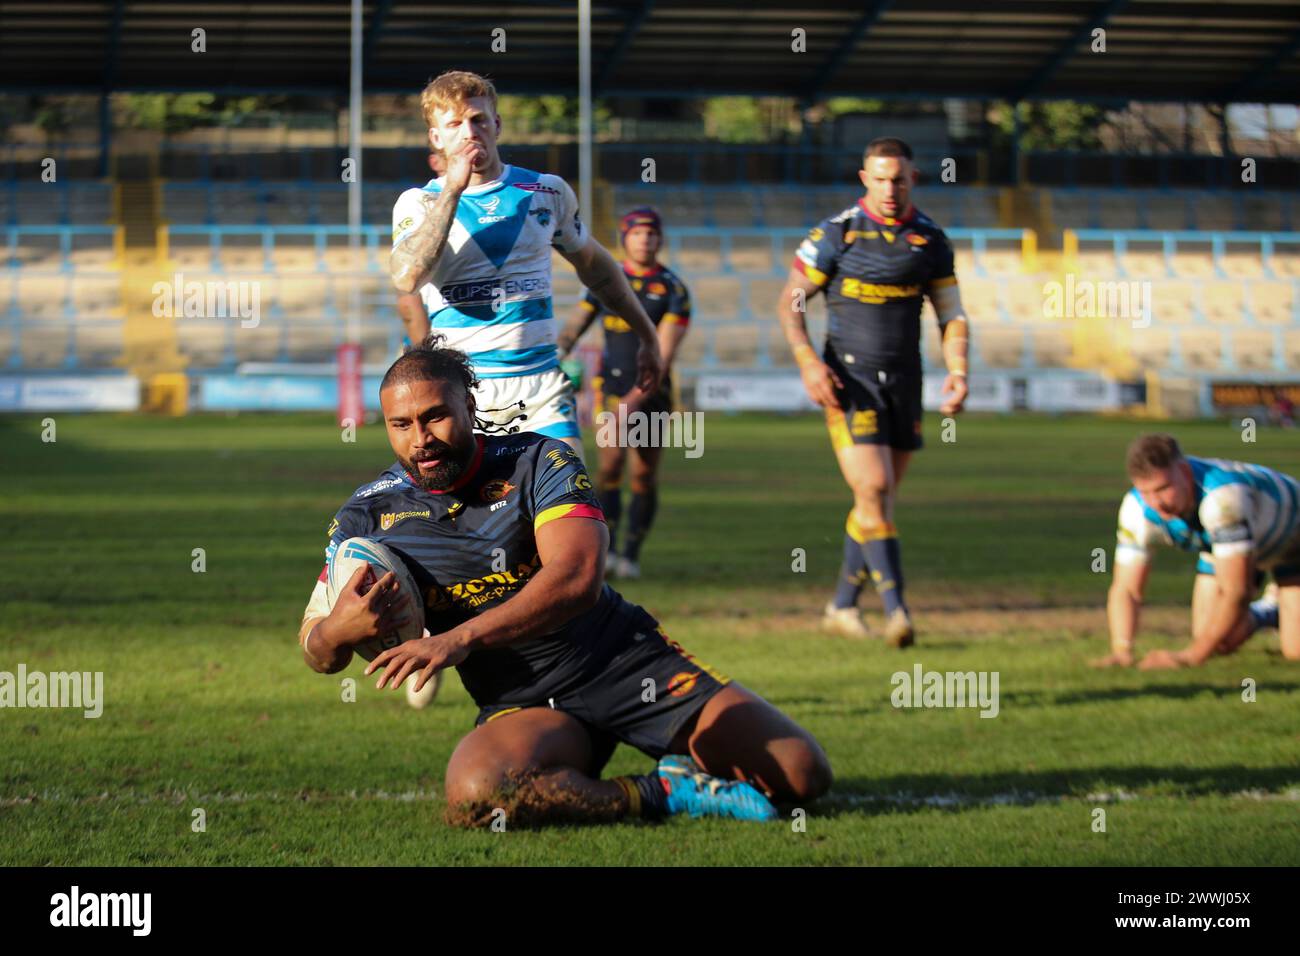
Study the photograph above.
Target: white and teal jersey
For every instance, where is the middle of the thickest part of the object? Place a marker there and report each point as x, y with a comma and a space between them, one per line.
498, 252
1240, 509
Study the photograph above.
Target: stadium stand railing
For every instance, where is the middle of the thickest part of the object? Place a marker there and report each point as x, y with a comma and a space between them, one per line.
1225, 302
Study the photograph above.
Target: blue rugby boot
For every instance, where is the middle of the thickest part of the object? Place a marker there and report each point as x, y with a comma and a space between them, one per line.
697, 794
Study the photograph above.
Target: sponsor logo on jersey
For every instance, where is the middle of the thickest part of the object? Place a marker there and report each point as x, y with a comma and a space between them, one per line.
496, 489
334, 526
657, 288
874, 293
916, 240
485, 290
536, 188
386, 521
543, 216
478, 592
816, 235
490, 207
382, 485
616, 323
402, 226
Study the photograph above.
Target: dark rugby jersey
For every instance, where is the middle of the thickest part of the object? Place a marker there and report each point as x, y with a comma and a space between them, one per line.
875, 273
451, 540
665, 299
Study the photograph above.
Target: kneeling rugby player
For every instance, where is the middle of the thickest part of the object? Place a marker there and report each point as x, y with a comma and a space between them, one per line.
562, 668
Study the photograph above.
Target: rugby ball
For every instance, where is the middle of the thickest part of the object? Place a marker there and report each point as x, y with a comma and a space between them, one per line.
343, 563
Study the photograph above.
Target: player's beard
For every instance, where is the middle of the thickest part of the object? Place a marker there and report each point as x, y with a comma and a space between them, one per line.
449, 470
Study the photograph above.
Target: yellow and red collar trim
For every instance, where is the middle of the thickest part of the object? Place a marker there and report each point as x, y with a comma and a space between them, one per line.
886, 221
632, 269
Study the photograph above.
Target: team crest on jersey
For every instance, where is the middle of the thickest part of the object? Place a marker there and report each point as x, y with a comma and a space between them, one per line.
682, 684
496, 489
916, 240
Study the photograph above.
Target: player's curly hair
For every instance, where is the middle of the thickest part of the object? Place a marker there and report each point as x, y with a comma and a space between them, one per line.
431, 361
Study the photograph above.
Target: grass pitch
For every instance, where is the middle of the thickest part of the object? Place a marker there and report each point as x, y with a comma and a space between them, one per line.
208, 705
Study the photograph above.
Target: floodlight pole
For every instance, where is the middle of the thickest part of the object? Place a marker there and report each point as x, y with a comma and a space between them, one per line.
584, 110
351, 404
354, 187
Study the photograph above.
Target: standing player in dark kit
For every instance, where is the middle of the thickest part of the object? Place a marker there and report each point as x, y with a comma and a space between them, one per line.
505, 539
875, 261
665, 299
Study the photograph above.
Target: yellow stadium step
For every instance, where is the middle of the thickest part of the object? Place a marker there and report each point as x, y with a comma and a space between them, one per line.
150, 344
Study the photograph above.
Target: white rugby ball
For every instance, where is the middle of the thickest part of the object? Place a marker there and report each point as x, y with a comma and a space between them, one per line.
353, 553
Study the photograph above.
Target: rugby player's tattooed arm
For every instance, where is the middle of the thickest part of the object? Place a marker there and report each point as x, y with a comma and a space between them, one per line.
413, 259
569, 582
818, 380
599, 272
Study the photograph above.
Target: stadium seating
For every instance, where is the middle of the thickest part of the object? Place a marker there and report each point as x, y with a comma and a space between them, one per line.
1150, 349
1223, 301
1272, 302
1253, 350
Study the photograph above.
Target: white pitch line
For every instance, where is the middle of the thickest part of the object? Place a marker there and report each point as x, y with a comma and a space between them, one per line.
1029, 797
183, 797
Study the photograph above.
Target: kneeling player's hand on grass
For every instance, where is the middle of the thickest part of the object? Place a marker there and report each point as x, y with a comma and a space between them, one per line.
1113, 660
361, 613
1162, 660
955, 391
427, 655
820, 383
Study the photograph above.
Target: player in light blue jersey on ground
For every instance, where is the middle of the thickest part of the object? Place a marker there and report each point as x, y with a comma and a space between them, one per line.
1243, 520
476, 245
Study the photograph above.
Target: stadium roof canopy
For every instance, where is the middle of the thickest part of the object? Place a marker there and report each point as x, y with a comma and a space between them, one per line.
1185, 51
